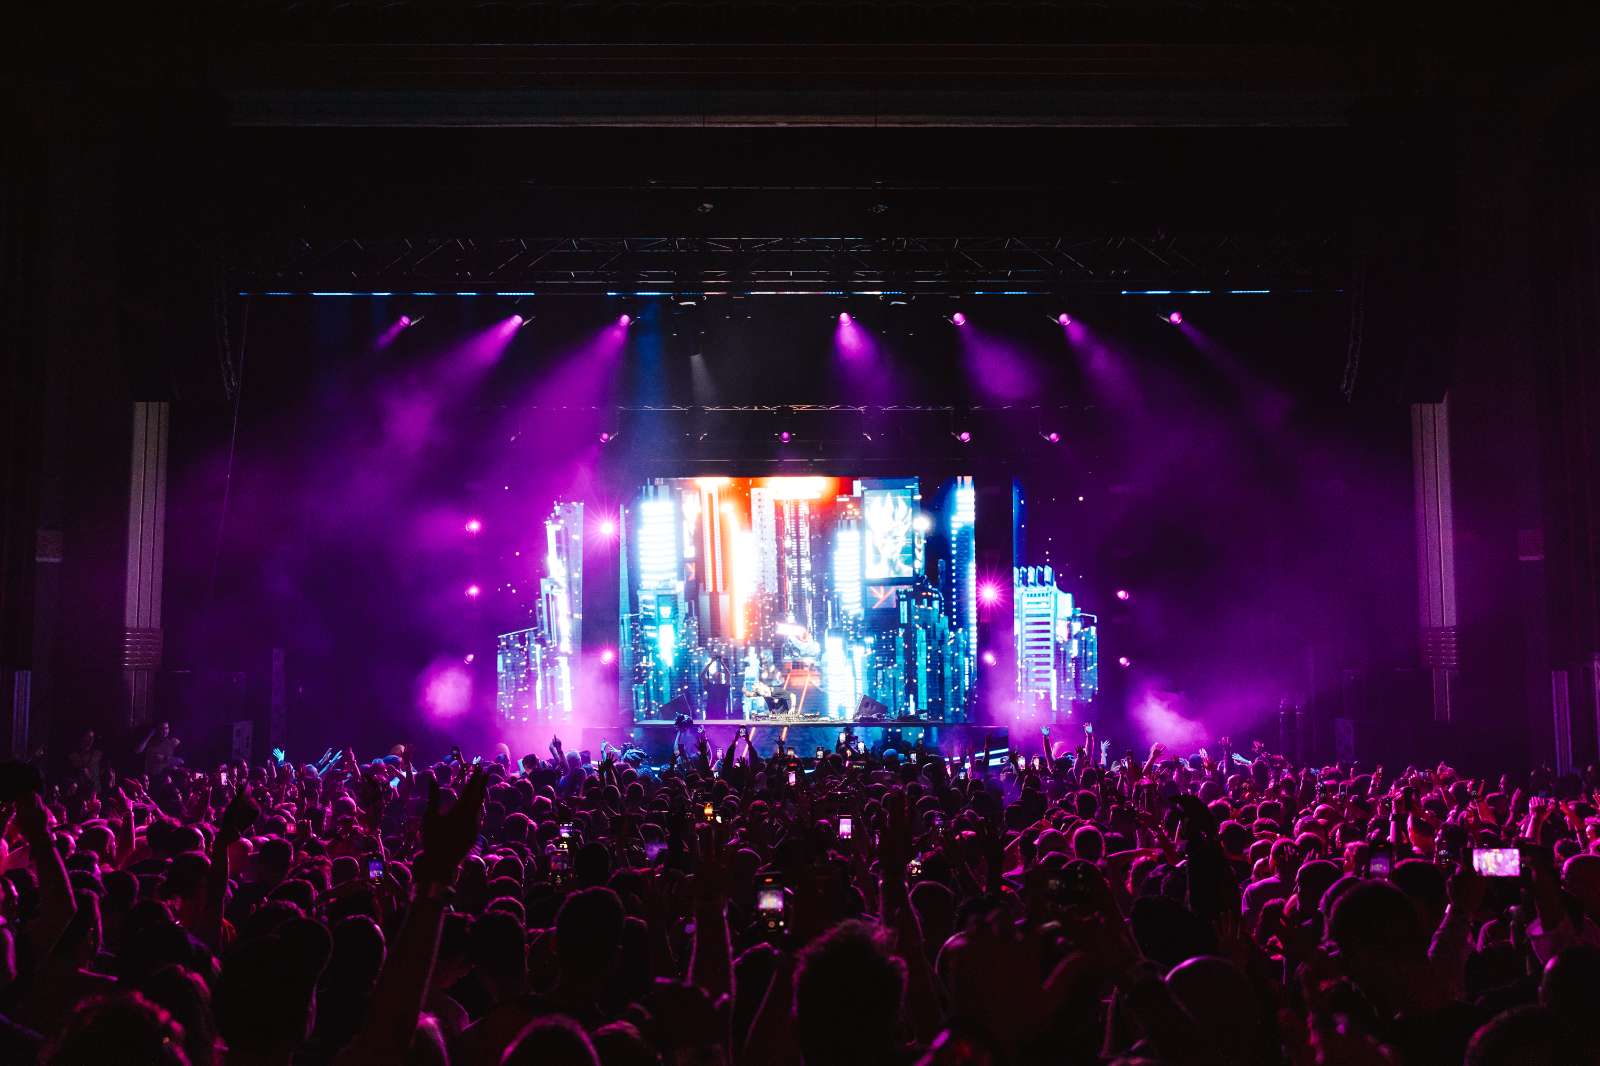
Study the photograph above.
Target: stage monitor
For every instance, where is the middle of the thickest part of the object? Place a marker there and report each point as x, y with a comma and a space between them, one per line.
793, 599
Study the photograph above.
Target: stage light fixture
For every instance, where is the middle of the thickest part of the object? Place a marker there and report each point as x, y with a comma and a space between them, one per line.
473, 592
607, 437
469, 658
922, 523
844, 317
962, 436
1124, 662
988, 593
1051, 437
474, 525
958, 319
1173, 318
608, 528
607, 657
518, 321
1063, 319
1124, 595
785, 436
624, 319
989, 658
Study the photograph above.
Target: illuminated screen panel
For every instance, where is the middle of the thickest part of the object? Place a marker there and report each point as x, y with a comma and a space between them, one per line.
798, 598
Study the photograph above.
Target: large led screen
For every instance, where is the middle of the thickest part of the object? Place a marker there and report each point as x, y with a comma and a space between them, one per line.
798, 598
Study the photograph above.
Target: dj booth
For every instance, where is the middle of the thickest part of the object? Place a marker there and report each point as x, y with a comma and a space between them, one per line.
656, 738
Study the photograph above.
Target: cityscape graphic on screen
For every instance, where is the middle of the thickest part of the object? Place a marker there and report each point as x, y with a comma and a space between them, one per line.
799, 597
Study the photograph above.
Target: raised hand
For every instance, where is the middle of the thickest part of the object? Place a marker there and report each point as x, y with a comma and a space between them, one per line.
1466, 889
713, 874
894, 843
447, 836
240, 815
32, 817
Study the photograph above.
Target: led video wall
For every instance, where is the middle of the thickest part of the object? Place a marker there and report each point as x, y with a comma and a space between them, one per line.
798, 597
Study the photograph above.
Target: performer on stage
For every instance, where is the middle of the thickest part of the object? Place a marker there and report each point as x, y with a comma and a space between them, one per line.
717, 681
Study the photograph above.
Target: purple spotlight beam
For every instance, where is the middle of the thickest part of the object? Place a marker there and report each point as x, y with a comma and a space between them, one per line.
392, 332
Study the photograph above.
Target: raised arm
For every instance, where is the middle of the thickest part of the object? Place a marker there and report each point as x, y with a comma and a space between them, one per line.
894, 851
239, 816
56, 905
403, 982
711, 957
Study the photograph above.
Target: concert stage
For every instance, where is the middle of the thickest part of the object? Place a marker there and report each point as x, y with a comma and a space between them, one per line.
656, 738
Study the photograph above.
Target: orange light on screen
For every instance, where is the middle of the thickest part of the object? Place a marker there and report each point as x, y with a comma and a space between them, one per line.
799, 488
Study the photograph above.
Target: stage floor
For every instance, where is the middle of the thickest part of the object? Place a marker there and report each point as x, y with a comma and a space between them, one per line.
656, 737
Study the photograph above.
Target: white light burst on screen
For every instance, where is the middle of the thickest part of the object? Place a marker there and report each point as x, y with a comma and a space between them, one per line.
840, 678
847, 569
658, 543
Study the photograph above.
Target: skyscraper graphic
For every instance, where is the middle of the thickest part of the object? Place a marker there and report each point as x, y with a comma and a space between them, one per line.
1057, 647
535, 666
764, 527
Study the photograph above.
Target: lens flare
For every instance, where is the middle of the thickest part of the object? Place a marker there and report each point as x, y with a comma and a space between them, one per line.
988, 593
474, 525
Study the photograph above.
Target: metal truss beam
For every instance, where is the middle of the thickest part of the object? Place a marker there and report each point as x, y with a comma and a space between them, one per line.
780, 264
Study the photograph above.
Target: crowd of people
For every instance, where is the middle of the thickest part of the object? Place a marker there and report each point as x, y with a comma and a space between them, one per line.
776, 908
